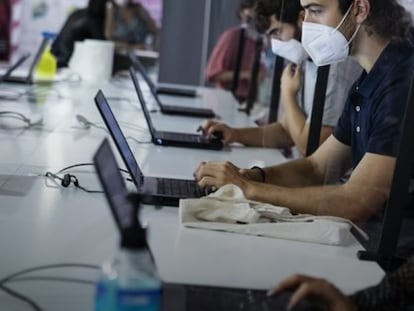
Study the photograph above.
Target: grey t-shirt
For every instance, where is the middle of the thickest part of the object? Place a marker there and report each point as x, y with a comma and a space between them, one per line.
341, 77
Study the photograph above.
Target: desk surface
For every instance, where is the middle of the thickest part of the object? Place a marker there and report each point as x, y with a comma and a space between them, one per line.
41, 223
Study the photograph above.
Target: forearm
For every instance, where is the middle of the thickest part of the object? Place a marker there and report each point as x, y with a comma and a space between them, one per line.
295, 121
269, 136
333, 200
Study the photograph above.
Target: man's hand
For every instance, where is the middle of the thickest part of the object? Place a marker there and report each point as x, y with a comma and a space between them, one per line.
307, 287
212, 127
290, 80
217, 174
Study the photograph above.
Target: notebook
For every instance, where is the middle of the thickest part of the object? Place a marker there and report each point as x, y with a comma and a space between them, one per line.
157, 191
26, 76
159, 89
173, 109
165, 138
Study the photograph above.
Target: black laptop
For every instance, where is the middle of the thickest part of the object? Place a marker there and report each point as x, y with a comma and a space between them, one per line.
158, 191
113, 185
176, 139
26, 77
159, 89
9, 71
173, 109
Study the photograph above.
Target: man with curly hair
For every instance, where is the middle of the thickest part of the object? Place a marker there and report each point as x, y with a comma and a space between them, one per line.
376, 33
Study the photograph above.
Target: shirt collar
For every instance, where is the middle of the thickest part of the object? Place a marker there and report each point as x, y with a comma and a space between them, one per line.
390, 57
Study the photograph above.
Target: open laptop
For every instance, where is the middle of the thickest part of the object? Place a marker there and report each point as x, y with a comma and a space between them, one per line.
172, 109
26, 76
9, 71
159, 89
165, 138
158, 191
113, 186
180, 296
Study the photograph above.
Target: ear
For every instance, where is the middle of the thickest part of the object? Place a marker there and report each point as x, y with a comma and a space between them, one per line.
361, 10
301, 18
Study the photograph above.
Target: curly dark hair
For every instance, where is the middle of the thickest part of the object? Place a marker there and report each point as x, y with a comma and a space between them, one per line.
286, 11
387, 18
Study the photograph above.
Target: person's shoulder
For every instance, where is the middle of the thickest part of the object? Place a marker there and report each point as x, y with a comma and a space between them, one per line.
230, 33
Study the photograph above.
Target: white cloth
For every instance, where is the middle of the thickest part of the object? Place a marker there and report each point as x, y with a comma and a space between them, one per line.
228, 210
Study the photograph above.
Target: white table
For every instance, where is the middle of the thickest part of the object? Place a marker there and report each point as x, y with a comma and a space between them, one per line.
41, 224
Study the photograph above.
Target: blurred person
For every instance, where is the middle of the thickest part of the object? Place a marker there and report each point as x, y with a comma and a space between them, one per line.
394, 292
130, 25
221, 63
87, 23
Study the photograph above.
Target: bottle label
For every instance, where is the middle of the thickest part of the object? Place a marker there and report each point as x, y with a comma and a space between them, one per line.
109, 297
145, 299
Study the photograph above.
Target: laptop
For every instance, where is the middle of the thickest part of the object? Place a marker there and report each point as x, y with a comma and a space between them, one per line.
113, 186
175, 139
180, 296
159, 89
24, 76
172, 109
9, 71
157, 191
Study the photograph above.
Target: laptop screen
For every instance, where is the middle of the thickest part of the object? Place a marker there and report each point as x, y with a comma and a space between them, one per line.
20, 61
138, 66
118, 137
142, 102
113, 185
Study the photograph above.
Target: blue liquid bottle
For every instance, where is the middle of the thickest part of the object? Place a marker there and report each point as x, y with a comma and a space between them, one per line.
130, 282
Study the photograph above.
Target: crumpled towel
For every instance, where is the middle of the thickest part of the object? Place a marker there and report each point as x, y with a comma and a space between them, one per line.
228, 210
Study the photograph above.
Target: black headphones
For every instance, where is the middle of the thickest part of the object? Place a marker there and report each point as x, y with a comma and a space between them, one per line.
68, 179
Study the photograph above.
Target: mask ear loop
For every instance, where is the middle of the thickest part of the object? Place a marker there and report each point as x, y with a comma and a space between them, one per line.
343, 20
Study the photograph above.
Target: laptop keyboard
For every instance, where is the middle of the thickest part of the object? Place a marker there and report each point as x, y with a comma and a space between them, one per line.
182, 137
183, 188
207, 298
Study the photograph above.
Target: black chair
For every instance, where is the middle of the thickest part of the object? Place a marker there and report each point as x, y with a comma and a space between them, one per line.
275, 95
254, 80
317, 110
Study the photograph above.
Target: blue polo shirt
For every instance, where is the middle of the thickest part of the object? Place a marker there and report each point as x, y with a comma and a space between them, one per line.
373, 113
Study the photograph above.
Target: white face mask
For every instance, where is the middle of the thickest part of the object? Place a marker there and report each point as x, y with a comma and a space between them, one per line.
326, 45
291, 50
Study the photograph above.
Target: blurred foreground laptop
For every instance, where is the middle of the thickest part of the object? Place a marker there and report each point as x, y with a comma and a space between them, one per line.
172, 109
180, 296
158, 191
25, 75
159, 89
165, 138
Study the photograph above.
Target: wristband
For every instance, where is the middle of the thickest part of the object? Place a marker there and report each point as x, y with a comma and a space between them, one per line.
262, 172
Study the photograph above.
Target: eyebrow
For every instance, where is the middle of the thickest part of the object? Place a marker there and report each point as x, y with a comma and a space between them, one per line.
311, 4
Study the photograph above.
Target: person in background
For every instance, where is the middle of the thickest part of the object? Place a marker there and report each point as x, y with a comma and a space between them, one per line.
366, 138
221, 63
282, 21
394, 292
5, 20
130, 26
88, 23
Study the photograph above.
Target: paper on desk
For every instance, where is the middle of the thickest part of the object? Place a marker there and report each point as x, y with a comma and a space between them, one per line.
228, 210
